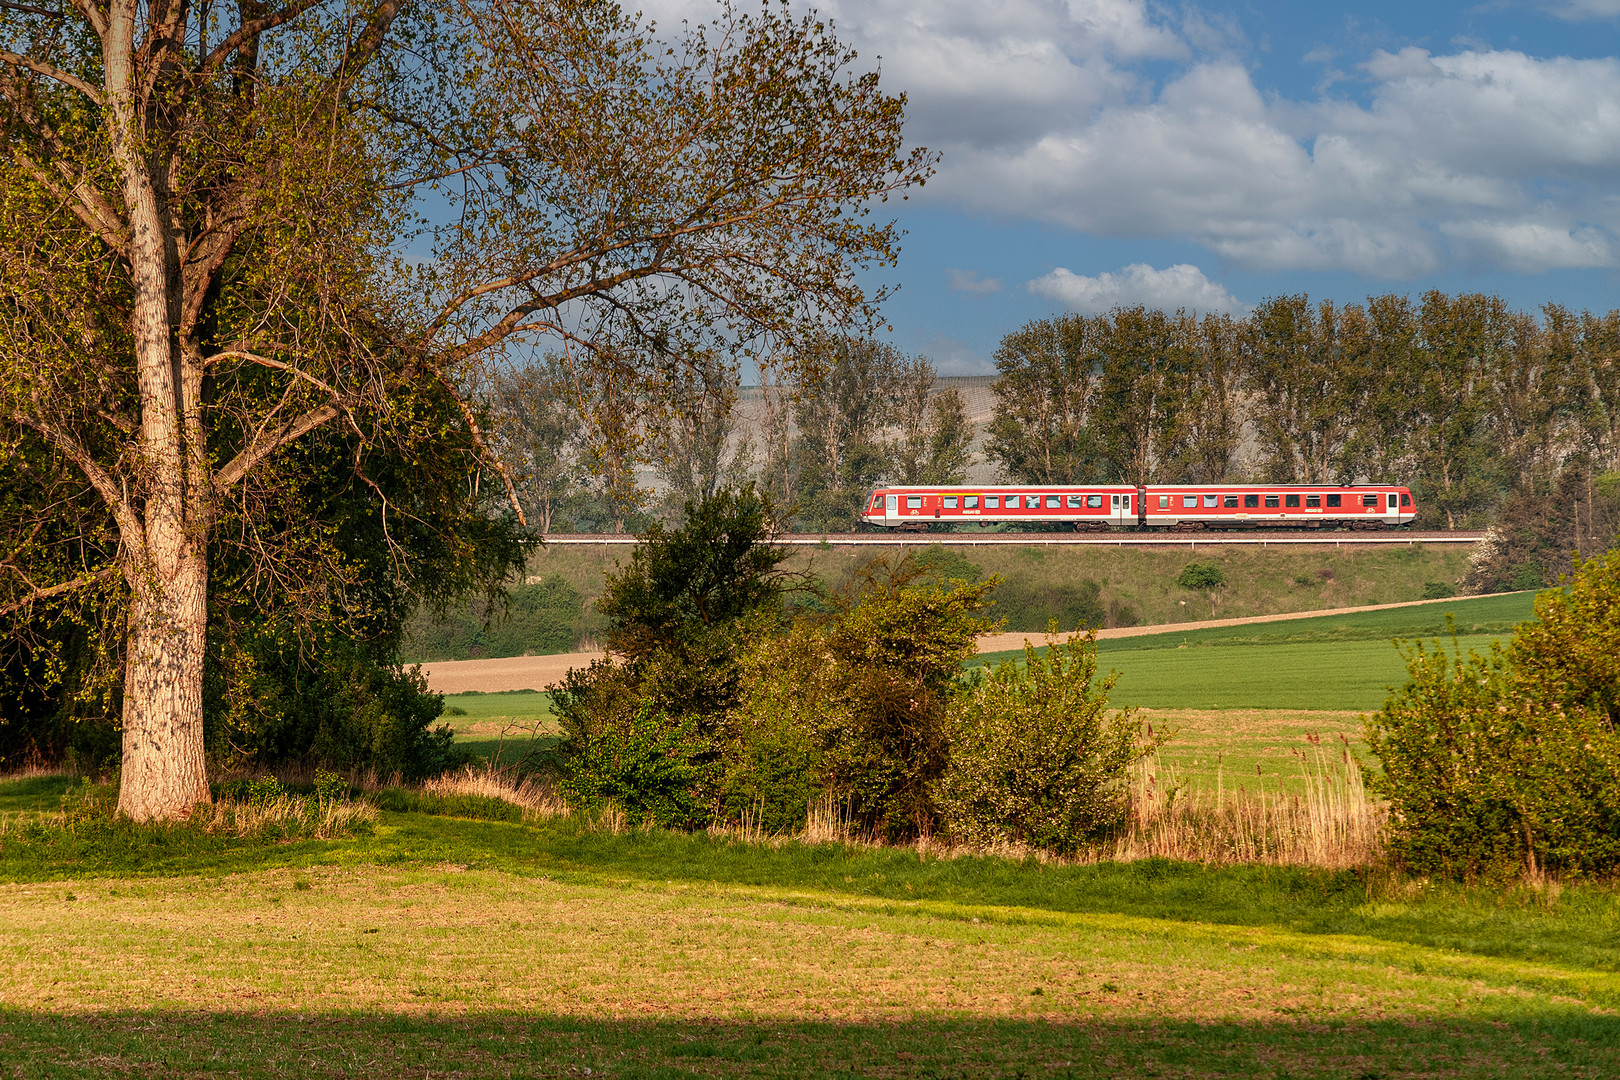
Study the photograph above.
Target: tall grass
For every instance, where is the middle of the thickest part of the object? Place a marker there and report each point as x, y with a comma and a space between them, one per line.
537, 799
1333, 824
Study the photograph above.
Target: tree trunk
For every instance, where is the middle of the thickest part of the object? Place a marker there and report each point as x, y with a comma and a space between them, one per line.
164, 774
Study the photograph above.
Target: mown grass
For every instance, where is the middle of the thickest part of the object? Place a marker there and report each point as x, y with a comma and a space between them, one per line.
448, 945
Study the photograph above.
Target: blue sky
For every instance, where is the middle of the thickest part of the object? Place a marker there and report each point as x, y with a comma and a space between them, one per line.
1209, 155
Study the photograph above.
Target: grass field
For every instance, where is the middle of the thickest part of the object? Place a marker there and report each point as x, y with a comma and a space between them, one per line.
437, 946
1238, 699
1335, 663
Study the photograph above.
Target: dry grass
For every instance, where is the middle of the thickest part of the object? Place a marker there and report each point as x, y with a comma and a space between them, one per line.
307, 817
537, 799
1332, 824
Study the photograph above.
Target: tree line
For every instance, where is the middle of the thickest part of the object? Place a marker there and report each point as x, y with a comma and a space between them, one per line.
1464, 399
1488, 413
831, 421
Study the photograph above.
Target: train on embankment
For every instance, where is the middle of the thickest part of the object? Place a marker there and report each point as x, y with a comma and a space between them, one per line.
1180, 507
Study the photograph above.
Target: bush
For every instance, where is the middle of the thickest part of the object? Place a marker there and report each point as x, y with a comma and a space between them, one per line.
851, 706
1511, 758
1200, 576
350, 713
1437, 590
1035, 756
1023, 605
651, 767
547, 616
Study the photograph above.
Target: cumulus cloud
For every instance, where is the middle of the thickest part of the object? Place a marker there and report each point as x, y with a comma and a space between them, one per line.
967, 281
1125, 118
1178, 286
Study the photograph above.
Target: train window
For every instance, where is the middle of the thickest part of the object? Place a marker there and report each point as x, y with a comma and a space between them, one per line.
1093, 501
950, 502
913, 502
1406, 500
1334, 500
1189, 500
1125, 501
1271, 501
1369, 500
1053, 501
1290, 500
1164, 502
1229, 500
1075, 501
970, 502
1212, 500
993, 502
1033, 502
1251, 500
1314, 500
1392, 500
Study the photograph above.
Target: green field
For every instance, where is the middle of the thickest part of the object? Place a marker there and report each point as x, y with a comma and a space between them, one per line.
1335, 663
438, 946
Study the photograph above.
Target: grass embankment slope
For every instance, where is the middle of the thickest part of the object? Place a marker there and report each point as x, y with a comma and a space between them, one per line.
456, 947
1260, 580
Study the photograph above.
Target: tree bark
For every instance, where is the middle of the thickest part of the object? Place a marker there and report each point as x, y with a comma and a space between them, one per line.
164, 773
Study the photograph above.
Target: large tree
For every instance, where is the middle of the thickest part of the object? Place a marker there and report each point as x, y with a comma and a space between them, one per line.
204, 214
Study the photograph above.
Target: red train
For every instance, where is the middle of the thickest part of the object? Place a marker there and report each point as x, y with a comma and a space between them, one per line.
1161, 506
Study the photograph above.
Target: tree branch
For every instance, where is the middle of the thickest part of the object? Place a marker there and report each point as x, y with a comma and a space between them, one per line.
250, 30
57, 590
50, 71
129, 524
262, 447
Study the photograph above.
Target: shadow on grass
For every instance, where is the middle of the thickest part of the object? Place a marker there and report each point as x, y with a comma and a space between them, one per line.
249, 1046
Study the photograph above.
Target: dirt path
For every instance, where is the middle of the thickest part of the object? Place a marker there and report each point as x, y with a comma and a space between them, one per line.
539, 672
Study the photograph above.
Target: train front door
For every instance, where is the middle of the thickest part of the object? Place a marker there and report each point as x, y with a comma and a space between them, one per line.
891, 509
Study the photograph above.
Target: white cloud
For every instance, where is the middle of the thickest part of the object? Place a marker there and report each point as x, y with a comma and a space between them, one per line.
967, 281
1178, 286
1050, 110
1577, 10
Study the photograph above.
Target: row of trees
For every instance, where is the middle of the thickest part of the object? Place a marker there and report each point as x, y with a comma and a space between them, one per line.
1460, 396
849, 413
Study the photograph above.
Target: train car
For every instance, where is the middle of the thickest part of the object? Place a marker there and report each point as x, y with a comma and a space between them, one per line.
1295, 506
1157, 506
1092, 507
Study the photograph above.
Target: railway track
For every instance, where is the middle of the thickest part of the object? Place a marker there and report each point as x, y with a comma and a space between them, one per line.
1121, 538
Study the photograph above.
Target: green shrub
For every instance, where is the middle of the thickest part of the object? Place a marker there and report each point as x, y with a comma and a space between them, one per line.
350, 713
852, 705
1200, 576
546, 616
1511, 758
651, 767
1437, 590
1023, 604
1035, 757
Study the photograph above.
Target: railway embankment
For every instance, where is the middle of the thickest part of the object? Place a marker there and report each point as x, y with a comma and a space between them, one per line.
1112, 586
